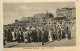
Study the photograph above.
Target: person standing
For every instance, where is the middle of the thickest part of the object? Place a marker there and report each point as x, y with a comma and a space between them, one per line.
43, 37
50, 37
46, 35
55, 32
5, 33
38, 35
34, 35
22, 38
29, 35
72, 29
9, 35
19, 34
15, 33
4, 38
69, 34
63, 32
13, 39
58, 33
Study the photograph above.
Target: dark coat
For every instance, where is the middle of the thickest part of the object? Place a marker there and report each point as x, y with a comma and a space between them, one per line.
69, 34
9, 35
34, 34
18, 36
43, 36
22, 37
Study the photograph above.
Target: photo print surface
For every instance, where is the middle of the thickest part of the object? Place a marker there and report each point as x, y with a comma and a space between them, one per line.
42, 24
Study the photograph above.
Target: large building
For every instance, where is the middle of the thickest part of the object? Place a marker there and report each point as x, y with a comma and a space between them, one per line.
66, 12
40, 19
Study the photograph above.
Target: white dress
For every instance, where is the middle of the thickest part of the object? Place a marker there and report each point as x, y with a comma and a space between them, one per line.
73, 32
13, 36
73, 27
50, 36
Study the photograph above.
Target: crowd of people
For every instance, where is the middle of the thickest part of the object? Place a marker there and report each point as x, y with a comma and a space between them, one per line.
37, 34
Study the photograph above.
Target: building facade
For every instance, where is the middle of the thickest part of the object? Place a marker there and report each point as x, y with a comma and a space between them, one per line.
66, 12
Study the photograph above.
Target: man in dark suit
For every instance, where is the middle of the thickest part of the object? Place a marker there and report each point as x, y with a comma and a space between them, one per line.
69, 34
34, 35
9, 35
58, 33
46, 35
22, 37
18, 36
28, 37
38, 35
43, 36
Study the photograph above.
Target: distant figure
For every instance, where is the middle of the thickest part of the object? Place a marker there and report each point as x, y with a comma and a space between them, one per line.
60, 33
18, 35
73, 26
43, 37
25, 35
50, 37
38, 35
34, 34
66, 31
4, 38
69, 34
63, 32
72, 29
46, 35
9, 35
29, 35
55, 32
13, 35
22, 37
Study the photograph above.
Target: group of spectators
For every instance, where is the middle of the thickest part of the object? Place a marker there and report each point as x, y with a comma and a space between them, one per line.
37, 34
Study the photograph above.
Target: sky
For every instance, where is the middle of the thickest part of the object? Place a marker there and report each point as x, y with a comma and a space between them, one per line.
12, 11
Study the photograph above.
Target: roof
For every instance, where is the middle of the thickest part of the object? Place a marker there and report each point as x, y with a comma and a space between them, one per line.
59, 18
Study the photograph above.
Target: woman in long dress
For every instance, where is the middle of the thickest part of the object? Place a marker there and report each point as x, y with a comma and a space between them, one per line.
73, 32
22, 36
18, 35
13, 36
50, 36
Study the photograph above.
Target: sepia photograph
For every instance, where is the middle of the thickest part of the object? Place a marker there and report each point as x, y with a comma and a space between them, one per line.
39, 24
